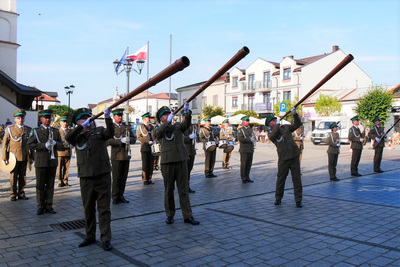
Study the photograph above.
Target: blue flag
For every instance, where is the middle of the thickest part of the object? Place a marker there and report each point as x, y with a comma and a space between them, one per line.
122, 61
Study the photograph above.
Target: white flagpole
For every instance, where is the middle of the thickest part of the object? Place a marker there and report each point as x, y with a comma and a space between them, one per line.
147, 94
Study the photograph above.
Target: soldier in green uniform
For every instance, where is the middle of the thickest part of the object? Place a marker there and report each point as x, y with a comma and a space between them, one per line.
190, 143
357, 140
94, 171
64, 156
15, 140
246, 140
206, 134
45, 140
174, 163
288, 156
120, 156
377, 133
156, 158
333, 141
226, 134
145, 137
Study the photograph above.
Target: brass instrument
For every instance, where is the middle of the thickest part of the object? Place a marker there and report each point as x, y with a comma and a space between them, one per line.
363, 135
51, 139
254, 138
128, 144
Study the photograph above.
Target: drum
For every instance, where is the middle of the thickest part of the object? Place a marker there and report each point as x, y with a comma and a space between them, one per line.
229, 146
156, 149
222, 143
211, 146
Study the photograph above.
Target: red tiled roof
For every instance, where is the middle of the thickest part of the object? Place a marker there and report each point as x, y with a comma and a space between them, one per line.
308, 60
45, 97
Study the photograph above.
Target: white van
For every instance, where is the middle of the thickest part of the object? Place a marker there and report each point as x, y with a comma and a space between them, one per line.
321, 131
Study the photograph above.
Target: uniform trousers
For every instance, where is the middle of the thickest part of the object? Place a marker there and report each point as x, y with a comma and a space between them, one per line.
147, 166
332, 163
209, 162
45, 177
190, 163
156, 160
120, 169
246, 160
176, 172
355, 160
225, 159
18, 179
63, 169
284, 166
378, 158
97, 189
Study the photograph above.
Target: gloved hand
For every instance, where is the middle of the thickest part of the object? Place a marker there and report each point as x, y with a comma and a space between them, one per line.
125, 140
54, 143
107, 113
192, 136
338, 145
278, 121
252, 139
186, 107
87, 123
48, 145
293, 110
377, 139
302, 138
150, 142
361, 140
170, 117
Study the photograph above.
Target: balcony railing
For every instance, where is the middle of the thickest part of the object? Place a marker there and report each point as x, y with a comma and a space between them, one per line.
247, 86
248, 107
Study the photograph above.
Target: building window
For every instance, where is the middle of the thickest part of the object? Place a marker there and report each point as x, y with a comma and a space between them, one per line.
267, 79
251, 102
266, 98
287, 74
215, 100
287, 95
234, 101
194, 103
235, 82
204, 101
251, 82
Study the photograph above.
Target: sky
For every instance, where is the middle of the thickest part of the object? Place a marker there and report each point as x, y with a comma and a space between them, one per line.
75, 42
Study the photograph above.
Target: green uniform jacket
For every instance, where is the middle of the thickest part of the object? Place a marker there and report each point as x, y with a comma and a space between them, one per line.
281, 136
332, 140
205, 135
92, 157
354, 137
171, 137
118, 149
42, 155
143, 134
379, 132
15, 140
190, 143
67, 147
244, 135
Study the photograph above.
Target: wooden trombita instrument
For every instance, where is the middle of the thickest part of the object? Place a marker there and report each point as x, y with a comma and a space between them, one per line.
377, 143
332, 73
235, 59
178, 65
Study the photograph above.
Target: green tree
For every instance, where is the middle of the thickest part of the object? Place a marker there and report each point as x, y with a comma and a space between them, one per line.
211, 111
289, 105
328, 106
61, 110
251, 113
376, 102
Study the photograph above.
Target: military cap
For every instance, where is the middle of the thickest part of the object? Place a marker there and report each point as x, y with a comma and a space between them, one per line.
163, 110
154, 122
63, 118
355, 118
226, 121
269, 119
147, 114
19, 112
207, 119
118, 111
45, 112
183, 112
333, 125
376, 119
245, 118
80, 113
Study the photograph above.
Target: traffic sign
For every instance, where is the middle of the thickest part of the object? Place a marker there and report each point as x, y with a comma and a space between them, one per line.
282, 107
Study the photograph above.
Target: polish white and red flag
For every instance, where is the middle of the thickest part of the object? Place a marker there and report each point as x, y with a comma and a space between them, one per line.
141, 54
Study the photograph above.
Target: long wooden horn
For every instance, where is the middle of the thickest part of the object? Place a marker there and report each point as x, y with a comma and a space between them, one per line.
235, 59
178, 65
332, 73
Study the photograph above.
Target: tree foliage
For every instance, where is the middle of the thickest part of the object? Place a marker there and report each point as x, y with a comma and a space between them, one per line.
327, 105
377, 102
289, 105
61, 110
251, 113
211, 111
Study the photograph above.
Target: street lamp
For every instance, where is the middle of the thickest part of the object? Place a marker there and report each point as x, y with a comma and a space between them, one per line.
69, 90
127, 67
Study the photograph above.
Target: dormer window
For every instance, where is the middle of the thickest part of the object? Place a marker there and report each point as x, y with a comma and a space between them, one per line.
287, 73
235, 81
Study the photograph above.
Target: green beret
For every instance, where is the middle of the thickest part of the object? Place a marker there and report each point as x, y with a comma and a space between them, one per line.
355, 118
45, 112
207, 119
376, 119
245, 118
19, 112
333, 125
162, 111
80, 113
118, 111
147, 114
63, 118
269, 119
226, 121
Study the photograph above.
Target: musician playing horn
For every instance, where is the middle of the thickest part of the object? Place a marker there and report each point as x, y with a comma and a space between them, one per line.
226, 134
377, 133
207, 135
246, 139
333, 141
64, 156
45, 140
174, 162
120, 156
15, 141
144, 135
190, 143
356, 139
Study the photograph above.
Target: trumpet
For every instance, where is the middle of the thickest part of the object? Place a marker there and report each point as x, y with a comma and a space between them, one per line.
51, 138
254, 138
128, 144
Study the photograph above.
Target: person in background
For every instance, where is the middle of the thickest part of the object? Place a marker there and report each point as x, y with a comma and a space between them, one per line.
226, 134
333, 141
144, 135
247, 142
8, 122
377, 133
207, 134
156, 161
64, 156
